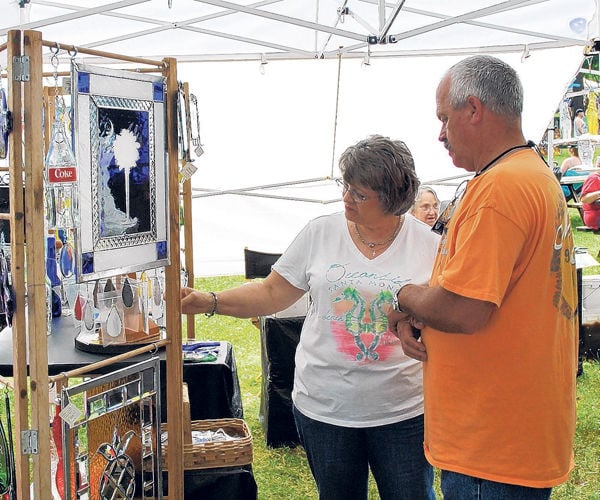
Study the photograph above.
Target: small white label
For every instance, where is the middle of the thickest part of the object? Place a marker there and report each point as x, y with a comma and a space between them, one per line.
187, 171
70, 414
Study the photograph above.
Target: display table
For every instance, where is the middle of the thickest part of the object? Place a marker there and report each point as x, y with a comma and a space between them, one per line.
213, 385
213, 389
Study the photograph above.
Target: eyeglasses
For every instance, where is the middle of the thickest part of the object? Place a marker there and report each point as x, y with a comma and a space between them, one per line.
354, 194
428, 208
439, 226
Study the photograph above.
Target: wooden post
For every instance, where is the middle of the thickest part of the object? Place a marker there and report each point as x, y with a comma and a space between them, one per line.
36, 268
173, 305
17, 249
188, 240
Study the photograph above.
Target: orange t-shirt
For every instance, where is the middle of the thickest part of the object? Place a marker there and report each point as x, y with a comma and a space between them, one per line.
500, 403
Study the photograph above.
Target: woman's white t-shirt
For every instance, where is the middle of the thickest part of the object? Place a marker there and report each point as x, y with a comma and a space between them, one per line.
350, 370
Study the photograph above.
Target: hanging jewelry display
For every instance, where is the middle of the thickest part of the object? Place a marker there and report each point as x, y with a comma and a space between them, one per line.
61, 166
195, 126
183, 124
111, 426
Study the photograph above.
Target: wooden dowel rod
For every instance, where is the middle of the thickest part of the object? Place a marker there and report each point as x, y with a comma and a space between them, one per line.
107, 362
3, 46
6, 216
93, 52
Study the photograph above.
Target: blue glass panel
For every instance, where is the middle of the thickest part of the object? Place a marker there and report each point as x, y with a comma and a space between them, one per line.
161, 250
83, 83
87, 263
159, 94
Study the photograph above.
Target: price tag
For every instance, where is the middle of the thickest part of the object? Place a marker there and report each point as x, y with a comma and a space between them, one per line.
70, 414
187, 171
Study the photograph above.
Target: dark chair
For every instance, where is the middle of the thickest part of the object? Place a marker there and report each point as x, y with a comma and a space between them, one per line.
258, 265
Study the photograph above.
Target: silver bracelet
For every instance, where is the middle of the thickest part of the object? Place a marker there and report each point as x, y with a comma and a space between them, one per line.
214, 305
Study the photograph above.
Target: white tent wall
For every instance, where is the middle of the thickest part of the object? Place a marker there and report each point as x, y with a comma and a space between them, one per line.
260, 129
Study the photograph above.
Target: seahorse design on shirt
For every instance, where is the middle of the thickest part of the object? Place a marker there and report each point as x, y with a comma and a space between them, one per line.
354, 318
379, 324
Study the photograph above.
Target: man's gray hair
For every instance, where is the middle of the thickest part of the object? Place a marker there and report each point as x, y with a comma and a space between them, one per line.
492, 81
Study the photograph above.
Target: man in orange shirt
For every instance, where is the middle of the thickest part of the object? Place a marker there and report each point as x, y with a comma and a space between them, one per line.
499, 315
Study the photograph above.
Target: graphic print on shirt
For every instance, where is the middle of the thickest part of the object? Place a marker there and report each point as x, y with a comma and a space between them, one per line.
366, 327
565, 298
360, 300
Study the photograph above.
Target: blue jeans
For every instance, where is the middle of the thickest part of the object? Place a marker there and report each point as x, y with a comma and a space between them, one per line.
340, 457
457, 486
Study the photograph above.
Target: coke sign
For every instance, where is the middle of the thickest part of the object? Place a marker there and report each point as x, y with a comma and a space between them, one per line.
62, 174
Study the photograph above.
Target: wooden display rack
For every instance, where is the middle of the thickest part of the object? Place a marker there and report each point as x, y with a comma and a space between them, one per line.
26, 160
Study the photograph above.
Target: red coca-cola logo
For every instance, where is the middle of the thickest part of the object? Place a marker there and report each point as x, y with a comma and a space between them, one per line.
62, 174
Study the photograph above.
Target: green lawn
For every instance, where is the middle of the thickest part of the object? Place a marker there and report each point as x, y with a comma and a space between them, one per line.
283, 472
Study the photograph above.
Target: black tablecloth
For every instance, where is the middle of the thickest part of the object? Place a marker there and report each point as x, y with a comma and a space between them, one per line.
279, 338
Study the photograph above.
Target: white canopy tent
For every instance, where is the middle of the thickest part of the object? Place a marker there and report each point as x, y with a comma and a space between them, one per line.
284, 86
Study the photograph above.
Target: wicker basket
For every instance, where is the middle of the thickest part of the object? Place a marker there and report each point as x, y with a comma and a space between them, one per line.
219, 453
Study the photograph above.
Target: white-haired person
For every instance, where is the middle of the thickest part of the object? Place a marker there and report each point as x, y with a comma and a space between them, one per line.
426, 205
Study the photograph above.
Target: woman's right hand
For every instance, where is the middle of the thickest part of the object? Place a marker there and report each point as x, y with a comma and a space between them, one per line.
192, 301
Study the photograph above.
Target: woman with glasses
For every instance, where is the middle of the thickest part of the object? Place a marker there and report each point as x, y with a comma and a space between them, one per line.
358, 401
426, 206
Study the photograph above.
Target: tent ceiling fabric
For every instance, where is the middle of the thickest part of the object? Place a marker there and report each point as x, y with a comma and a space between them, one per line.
220, 30
275, 124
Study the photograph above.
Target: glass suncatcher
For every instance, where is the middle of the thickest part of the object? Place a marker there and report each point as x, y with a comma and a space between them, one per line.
123, 196
61, 165
111, 435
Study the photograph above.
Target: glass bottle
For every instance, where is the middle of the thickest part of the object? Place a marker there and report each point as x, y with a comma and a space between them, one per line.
61, 178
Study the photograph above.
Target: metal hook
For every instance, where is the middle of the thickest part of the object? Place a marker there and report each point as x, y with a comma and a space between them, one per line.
72, 52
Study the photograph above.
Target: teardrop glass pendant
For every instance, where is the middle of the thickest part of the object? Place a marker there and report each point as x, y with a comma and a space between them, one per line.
66, 260
127, 294
88, 315
109, 287
114, 323
78, 308
156, 291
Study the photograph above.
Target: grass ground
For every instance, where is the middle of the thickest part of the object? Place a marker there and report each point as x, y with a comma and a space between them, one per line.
283, 472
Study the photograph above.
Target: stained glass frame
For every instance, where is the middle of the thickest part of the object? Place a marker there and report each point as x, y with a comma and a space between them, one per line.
120, 147
113, 419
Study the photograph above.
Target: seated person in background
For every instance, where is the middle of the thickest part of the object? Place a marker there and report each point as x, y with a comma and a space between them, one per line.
590, 197
426, 205
567, 168
572, 161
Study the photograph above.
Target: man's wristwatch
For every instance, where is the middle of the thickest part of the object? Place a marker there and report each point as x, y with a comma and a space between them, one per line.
396, 305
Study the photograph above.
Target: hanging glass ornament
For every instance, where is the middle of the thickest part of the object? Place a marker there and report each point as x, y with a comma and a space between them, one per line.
61, 166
